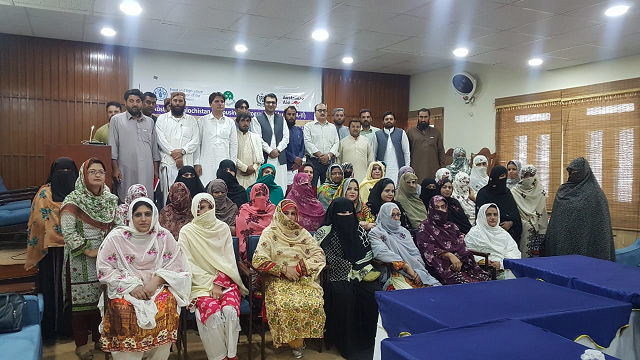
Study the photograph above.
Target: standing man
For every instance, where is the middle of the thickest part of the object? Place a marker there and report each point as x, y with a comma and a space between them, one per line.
338, 121
102, 135
391, 145
179, 140
295, 149
275, 137
149, 105
135, 157
249, 150
367, 130
321, 143
427, 149
218, 139
356, 150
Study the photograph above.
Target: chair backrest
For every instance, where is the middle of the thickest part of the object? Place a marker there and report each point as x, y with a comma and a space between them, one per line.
448, 157
629, 255
492, 158
252, 244
236, 247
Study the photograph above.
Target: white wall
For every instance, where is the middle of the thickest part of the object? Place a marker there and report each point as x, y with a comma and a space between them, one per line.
473, 127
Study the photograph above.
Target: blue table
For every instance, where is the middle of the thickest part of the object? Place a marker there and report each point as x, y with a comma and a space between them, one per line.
595, 276
566, 312
505, 339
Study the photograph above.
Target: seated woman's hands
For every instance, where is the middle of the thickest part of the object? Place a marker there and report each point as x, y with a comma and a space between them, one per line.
216, 292
506, 225
290, 273
456, 265
367, 226
412, 274
495, 264
139, 293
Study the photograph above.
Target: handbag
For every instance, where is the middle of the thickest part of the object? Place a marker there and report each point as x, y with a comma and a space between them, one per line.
11, 307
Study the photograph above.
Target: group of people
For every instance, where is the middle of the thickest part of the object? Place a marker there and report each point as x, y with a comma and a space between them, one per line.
369, 221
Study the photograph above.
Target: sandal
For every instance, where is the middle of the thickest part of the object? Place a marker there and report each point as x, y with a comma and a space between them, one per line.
84, 352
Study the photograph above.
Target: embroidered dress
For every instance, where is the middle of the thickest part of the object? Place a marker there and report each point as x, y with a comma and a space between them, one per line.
531, 198
310, 210
327, 190
254, 216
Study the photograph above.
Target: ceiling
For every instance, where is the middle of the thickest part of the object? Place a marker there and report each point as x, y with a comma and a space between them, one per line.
389, 36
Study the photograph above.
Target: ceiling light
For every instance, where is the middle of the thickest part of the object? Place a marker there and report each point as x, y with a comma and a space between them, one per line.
616, 10
241, 48
108, 32
535, 62
320, 35
347, 60
130, 7
460, 52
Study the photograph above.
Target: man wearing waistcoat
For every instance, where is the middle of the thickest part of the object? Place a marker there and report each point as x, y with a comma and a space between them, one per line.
275, 138
391, 145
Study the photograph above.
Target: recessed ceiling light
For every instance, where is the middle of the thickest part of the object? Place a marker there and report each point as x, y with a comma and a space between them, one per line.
347, 60
616, 10
460, 52
108, 32
320, 35
130, 7
241, 48
535, 62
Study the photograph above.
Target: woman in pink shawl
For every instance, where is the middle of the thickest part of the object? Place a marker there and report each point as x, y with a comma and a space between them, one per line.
254, 216
443, 249
135, 191
310, 210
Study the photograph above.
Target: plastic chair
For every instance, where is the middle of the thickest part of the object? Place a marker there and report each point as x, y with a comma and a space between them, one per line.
629, 255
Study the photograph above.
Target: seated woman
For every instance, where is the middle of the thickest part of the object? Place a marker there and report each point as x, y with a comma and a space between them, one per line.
310, 210
513, 173
327, 190
307, 168
188, 176
465, 196
375, 172
350, 190
226, 210
460, 162
490, 238
393, 244
443, 250
267, 176
254, 216
429, 190
216, 285
147, 280
408, 169
135, 191
455, 212
347, 170
408, 197
177, 214
531, 198
443, 173
478, 177
350, 305
227, 173
496, 192
291, 261
383, 192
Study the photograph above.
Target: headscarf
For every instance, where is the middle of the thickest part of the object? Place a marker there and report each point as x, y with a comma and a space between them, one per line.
176, 214
442, 233
455, 212
426, 194
459, 164
310, 210
346, 228
193, 184
207, 244
254, 216
492, 239
226, 210
235, 191
410, 200
443, 173
375, 196
62, 178
581, 222
98, 210
531, 198
496, 192
403, 170
327, 190
461, 191
135, 191
362, 211
275, 191
512, 182
347, 170
479, 177
368, 182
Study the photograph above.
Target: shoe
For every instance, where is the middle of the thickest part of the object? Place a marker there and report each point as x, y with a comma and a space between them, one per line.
299, 352
84, 352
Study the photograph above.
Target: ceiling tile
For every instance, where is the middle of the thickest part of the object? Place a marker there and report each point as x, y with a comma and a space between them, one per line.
77, 6
497, 57
155, 10
240, 6
596, 13
507, 17
154, 30
336, 33
628, 42
590, 34
357, 18
404, 25
336, 50
504, 39
556, 25
200, 16
555, 6
300, 10
202, 36
262, 26
396, 6
372, 40
580, 51
57, 16
541, 46
441, 13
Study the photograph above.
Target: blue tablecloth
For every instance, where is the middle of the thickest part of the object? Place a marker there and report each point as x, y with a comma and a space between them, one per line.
506, 339
595, 276
566, 312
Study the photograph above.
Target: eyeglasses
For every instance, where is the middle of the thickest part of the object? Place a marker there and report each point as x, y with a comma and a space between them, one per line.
270, 102
395, 215
98, 173
322, 110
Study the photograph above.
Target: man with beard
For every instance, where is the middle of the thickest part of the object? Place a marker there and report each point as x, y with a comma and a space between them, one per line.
178, 139
368, 130
249, 150
134, 148
102, 134
149, 105
391, 145
338, 121
321, 143
295, 149
427, 149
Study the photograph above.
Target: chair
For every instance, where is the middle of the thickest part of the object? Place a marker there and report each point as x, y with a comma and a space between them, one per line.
448, 157
26, 343
486, 267
629, 255
15, 208
492, 158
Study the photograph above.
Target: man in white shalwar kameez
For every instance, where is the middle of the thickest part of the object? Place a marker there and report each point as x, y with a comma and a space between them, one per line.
179, 141
218, 139
391, 145
249, 150
275, 138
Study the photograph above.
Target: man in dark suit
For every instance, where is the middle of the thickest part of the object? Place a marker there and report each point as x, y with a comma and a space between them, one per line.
275, 138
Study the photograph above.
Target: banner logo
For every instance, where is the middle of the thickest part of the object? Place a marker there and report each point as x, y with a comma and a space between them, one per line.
260, 100
161, 93
228, 98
